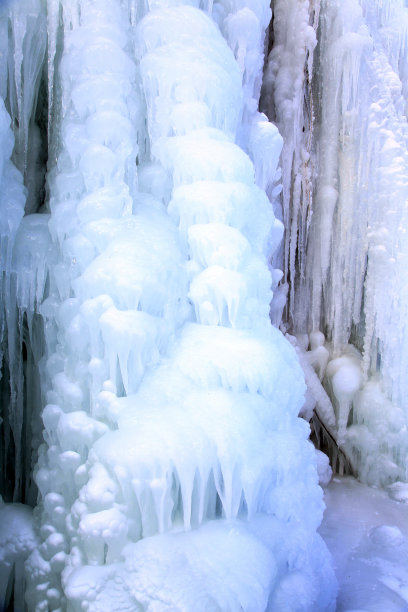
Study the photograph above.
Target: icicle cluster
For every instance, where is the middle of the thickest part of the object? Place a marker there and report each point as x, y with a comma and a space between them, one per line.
25, 253
356, 280
288, 100
12, 200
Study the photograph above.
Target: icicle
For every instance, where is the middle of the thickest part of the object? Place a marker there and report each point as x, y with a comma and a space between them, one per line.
53, 33
287, 98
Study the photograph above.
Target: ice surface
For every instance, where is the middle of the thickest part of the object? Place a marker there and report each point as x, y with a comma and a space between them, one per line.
367, 534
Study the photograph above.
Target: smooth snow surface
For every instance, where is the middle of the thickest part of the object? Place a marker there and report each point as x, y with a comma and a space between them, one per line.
366, 531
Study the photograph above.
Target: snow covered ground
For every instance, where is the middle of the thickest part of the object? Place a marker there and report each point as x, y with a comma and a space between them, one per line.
367, 533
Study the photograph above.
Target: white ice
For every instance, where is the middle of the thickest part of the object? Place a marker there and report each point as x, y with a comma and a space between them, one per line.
174, 472
169, 403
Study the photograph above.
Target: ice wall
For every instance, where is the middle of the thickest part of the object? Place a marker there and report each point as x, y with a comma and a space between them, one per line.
368, 170
174, 472
352, 285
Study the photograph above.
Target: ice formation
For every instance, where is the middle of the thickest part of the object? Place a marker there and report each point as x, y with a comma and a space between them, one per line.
143, 202
17, 540
174, 472
345, 247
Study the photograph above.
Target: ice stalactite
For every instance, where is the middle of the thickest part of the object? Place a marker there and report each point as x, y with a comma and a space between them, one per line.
23, 42
19, 384
12, 201
367, 305
288, 100
354, 280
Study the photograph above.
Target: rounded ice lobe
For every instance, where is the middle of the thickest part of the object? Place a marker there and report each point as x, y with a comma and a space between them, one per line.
387, 536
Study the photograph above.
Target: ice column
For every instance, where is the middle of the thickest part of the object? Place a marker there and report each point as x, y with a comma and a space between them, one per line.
88, 333
172, 443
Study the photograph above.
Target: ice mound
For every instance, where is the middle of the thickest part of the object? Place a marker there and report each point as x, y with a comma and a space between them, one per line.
218, 295
175, 476
203, 154
201, 570
345, 378
398, 491
239, 360
131, 339
387, 536
323, 468
375, 437
134, 265
17, 540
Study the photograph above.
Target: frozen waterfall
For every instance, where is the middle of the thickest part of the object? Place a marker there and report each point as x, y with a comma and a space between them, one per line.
153, 223
174, 472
